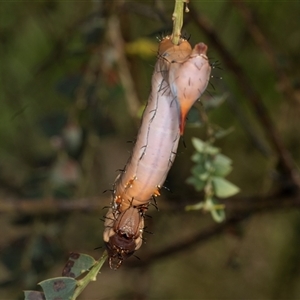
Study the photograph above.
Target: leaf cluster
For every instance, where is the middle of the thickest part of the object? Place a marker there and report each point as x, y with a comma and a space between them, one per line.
78, 272
208, 175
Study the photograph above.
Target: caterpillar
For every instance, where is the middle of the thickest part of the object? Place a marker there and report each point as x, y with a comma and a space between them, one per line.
181, 75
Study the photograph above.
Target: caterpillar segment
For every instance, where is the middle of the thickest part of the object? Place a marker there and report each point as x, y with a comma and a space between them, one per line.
188, 72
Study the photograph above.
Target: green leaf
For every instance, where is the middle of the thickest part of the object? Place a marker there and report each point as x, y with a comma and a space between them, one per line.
223, 159
77, 264
204, 176
34, 295
208, 165
91, 275
197, 183
222, 165
211, 150
203, 147
198, 144
223, 188
59, 287
218, 214
198, 157
67, 287
201, 172
198, 170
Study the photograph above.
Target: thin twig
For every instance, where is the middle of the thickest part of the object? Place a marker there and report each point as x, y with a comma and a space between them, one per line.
148, 11
116, 39
247, 124
262, 42
237, 213
51, 205
95, 204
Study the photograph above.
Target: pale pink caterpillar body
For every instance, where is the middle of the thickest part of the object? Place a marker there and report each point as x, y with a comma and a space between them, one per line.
154, 150
180, 76
189, 73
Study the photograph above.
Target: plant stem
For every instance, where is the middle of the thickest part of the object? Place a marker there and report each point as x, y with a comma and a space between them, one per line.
91, 276
177, 18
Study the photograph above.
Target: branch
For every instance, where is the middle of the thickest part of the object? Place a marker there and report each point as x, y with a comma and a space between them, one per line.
234, 206
116, 39
262, 42
51, 205
245, 122
151, 11
238, 211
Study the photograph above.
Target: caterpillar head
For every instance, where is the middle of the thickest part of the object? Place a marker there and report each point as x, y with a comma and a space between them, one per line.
119, 248
122, 234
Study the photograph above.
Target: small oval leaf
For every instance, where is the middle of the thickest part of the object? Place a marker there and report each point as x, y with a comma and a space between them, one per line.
198, 144
197, 183
223, 188
77, 264
59, 287
222, 165
34, 295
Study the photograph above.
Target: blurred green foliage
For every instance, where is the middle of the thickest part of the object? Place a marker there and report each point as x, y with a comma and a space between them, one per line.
64, 123
208, 175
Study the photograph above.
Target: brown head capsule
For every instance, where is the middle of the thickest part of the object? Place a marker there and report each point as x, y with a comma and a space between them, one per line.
123, 235
119, 248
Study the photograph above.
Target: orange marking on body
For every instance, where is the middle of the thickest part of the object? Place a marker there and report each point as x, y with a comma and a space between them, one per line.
129, 183
118, 200
156, 193
183, 113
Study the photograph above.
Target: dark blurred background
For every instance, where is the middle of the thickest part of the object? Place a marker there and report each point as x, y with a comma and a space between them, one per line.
74, 78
